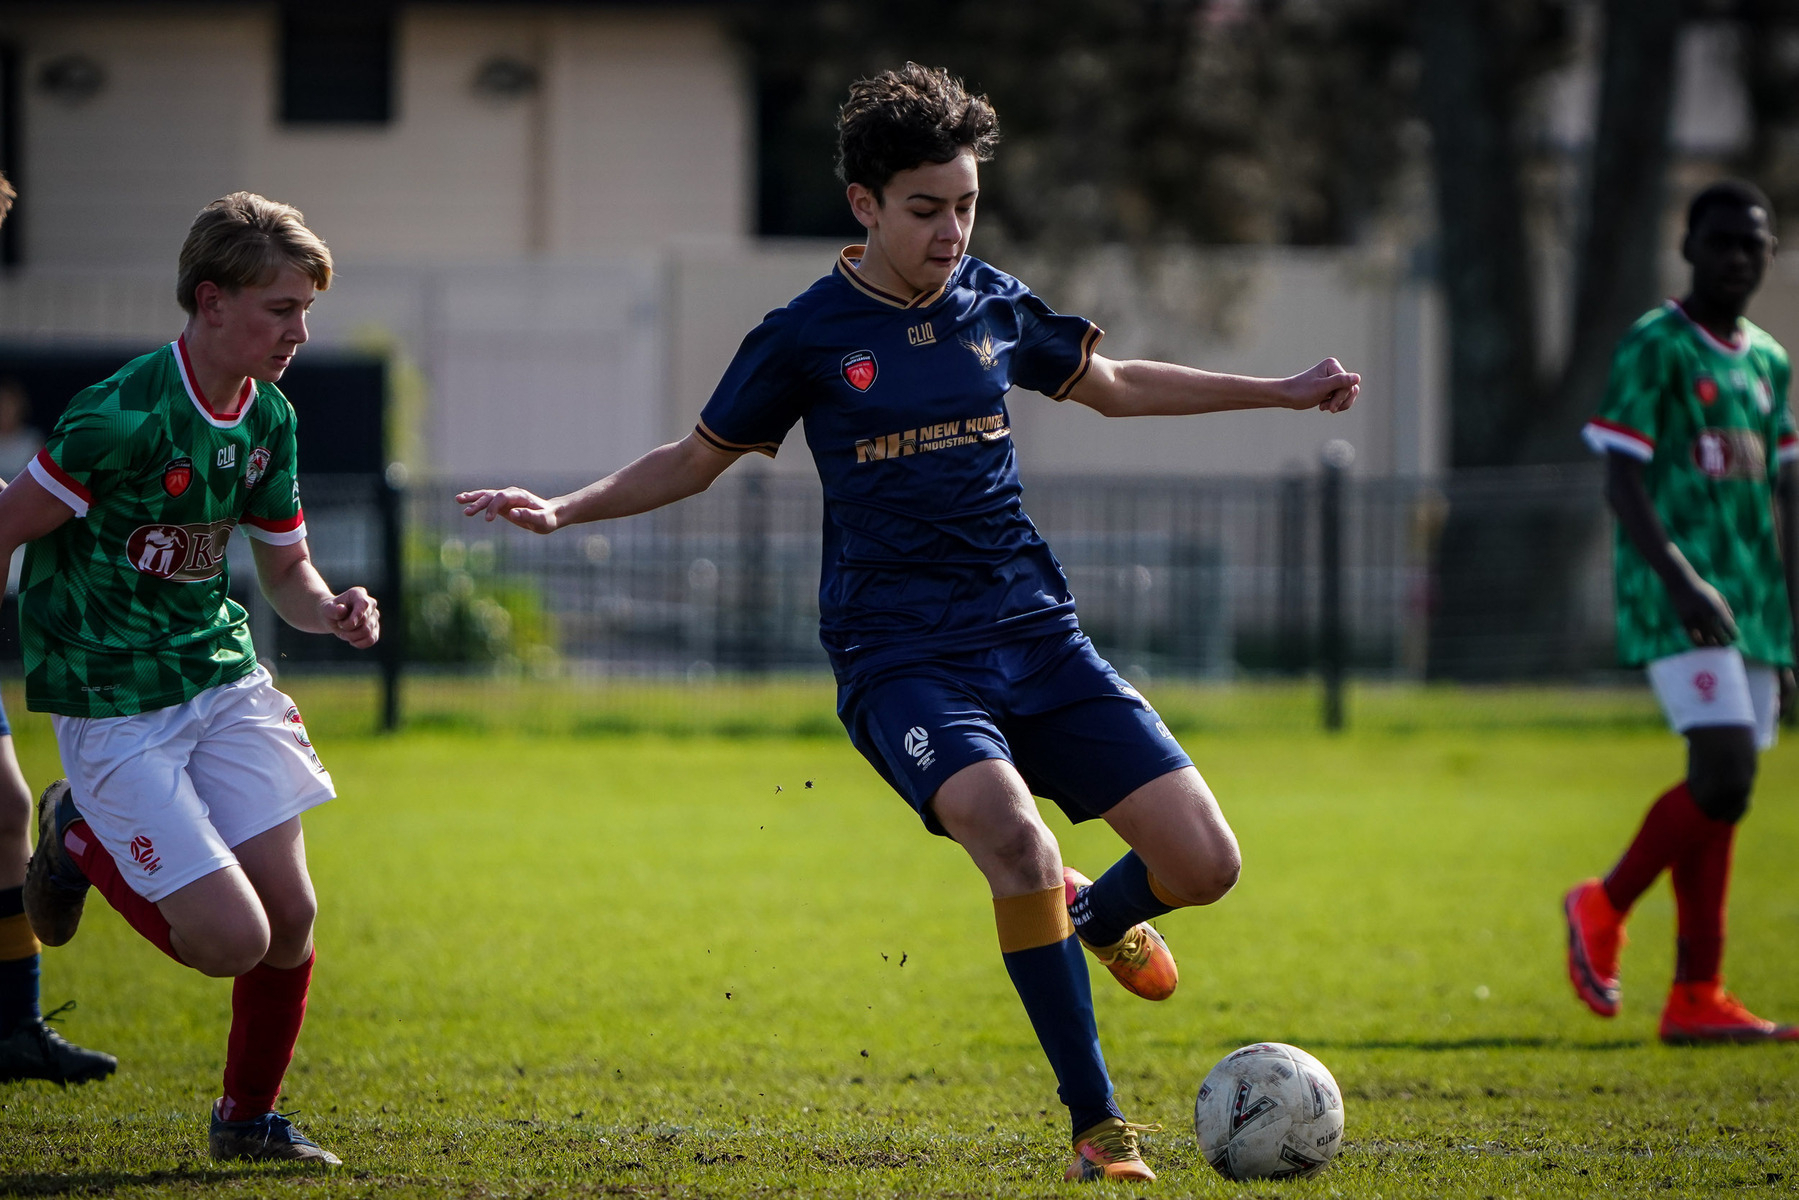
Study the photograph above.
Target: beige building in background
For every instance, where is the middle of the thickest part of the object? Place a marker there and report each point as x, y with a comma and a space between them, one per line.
560, 272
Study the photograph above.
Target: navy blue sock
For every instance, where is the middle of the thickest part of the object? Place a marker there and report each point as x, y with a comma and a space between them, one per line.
1052, 982
18, 972
1119, 899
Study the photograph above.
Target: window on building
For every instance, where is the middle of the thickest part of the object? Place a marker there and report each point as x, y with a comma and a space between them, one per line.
337, 62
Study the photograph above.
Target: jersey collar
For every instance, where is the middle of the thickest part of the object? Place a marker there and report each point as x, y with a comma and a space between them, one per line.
246, 398
1711, 339
846, 266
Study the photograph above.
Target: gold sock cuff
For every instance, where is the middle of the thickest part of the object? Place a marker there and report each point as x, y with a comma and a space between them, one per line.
1162, 893
1032, 920
16, 939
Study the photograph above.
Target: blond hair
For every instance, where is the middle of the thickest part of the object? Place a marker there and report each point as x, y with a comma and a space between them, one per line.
7, 196
243, 240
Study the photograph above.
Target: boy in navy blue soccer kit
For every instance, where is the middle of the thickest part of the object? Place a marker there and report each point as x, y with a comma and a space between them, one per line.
963, 675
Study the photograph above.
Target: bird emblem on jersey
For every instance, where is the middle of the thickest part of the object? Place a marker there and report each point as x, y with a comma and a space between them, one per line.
177, 476
983, 350
859, 369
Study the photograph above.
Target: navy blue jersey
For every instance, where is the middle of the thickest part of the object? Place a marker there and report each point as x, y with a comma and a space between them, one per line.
926, 544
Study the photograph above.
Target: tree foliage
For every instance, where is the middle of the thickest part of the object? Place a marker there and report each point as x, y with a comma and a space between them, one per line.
1144, 121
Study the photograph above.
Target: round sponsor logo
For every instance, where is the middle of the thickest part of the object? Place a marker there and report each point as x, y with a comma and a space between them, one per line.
159, 550
141, 849
1712, 453
257, 467
177, 476
1706, 388
296, 726
859, 369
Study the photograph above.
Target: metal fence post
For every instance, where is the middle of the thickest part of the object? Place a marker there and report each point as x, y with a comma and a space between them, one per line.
390, 498
1338, 455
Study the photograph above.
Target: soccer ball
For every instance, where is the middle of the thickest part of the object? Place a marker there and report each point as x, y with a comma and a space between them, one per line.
1268, 1111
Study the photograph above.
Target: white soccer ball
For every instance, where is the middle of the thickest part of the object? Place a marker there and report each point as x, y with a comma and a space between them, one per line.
1268, 1111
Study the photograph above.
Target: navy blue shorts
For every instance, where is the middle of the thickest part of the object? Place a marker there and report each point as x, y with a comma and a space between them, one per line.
1050, 706
5, 725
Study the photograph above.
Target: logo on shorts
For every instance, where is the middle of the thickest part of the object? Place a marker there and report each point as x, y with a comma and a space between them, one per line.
859, 369
144, 855
918, 745
177, 475
258, 466
1707, 685
296, 726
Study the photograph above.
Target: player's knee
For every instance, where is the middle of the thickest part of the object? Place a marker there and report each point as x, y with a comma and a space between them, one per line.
290, 929
1721, 773
1726, 797
226, 955
1203, 880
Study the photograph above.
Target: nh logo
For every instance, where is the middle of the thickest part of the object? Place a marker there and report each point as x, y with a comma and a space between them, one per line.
893, 445
227, 457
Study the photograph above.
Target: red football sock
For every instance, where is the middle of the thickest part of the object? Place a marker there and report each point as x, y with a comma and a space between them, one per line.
103, 873
267, 1006
1673, 825
1701, 879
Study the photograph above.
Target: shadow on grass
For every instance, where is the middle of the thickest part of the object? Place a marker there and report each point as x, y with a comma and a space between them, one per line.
1470, 1043
104, 1183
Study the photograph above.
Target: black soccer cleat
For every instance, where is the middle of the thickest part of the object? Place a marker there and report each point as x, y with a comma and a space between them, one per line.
55, 888
35, 1051
268, 1138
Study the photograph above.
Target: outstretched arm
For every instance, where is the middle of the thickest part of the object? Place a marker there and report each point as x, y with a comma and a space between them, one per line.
1140, 388
663, 476
1703, 612
298, 594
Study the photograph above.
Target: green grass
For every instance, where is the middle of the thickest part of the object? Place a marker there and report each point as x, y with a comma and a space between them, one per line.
590, 962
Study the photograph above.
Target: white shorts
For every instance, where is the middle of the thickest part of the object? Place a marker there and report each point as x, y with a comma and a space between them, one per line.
1713, 685
169, 792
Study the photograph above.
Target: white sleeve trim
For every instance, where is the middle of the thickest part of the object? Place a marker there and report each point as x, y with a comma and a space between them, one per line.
286, 537
1602, 439
56, 488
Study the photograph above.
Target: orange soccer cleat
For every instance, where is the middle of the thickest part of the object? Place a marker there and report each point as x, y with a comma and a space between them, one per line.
1595, 935
1140, 960
1109, 1151
1705, 1012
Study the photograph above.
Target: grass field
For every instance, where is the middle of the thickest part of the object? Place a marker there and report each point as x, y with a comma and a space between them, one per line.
596, 959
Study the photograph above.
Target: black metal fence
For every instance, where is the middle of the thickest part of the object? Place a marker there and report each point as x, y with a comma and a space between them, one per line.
1502, 574
1498, 574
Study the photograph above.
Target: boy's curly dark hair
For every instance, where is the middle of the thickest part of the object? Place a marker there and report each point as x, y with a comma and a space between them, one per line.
900, 119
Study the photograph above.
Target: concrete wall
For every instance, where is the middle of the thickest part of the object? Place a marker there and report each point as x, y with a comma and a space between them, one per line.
638, 134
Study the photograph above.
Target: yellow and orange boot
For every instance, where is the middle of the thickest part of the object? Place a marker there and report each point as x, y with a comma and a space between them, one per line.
1109, 1151
1595, 935
1140, 960
1704, 1012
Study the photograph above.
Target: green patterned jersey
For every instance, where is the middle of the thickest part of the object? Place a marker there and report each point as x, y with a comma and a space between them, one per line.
1710, 422
124, 609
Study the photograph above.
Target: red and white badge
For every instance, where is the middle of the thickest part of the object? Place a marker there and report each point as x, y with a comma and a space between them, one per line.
859, 369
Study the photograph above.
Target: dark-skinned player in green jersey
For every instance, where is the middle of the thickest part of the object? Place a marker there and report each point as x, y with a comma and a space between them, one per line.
1696, 430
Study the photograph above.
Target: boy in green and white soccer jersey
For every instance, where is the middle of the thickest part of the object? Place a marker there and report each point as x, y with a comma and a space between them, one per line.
1695, 429
188, 771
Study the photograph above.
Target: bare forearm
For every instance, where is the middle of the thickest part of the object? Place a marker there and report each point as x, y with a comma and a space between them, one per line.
663, 476
1636, 514
1145, 388
296, 591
